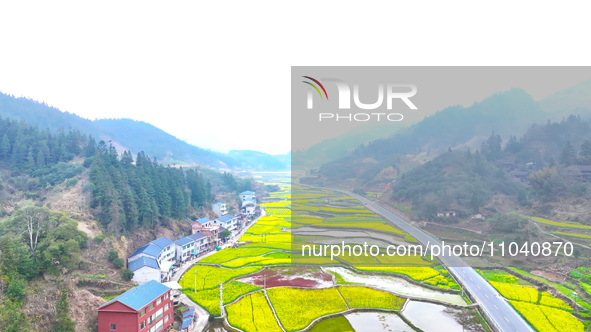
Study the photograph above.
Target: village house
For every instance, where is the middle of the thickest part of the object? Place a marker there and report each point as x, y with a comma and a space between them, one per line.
152, 261
248, 200
145, 269
204, 221
189, 246
228, 222
248, 196
219, 209
145, 308
210, 230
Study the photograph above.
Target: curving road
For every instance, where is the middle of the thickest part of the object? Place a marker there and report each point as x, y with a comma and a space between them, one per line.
498, 310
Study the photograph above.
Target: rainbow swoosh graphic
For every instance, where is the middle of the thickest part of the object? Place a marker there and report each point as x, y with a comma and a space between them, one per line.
316, 87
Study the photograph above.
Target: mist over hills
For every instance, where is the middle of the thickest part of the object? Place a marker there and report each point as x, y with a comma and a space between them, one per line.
508, 113
127, 134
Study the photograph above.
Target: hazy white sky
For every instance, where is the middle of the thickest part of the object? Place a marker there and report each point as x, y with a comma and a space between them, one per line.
217, 73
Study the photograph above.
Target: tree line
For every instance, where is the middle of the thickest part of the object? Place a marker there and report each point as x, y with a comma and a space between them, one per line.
127, 193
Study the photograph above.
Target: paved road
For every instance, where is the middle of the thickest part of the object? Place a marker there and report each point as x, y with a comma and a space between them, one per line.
500, 312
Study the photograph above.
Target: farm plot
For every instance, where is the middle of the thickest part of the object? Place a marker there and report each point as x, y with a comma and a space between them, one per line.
548, 319
252, 313
204, 277
297, 308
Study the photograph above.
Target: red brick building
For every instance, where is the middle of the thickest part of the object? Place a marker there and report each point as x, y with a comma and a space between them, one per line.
145, 308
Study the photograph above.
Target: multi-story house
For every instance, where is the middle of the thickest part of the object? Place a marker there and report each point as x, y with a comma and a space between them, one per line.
145, 308
219, 208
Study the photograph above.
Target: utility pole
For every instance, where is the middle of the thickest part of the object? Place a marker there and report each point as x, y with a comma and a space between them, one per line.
222, 298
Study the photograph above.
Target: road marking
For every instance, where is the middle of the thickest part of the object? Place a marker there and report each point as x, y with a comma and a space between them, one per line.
496, 306
486, 295
478, 286
471, 278
506, 319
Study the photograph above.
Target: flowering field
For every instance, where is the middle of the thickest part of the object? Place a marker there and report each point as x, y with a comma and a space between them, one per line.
548, 300
252, 313
566, 224
580, 236
362, 297
544, 318
210, 298
297, 308
272, 245
516, 292
442, 281
278, 211
209, 276
229, 254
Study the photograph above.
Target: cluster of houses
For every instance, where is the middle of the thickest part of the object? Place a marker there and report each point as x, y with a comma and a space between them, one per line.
149, 306
156, 259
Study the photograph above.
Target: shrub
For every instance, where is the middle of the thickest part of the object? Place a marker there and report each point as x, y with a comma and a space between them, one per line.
112, 255
118, 263
71, 182
127, 274
99, 238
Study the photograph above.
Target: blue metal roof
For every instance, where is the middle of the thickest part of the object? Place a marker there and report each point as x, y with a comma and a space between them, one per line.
140, 296
248, 192
149, 249
225, 218
219, 203
143, 261
197, 236
203, 220
189, 313
162, 242
185, 240
186, 323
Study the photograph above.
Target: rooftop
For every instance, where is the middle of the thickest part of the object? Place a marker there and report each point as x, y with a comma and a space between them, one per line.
185, 240
248, 192
148, 249
162, 242
203, 220
226, 218
219, 203
140, 296
136, 264
197, 236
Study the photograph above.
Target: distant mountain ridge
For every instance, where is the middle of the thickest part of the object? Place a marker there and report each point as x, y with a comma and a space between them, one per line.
508, 113
127, 134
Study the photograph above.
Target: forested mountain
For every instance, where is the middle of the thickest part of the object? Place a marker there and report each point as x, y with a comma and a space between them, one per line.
126, 193
339, 147
459, 181
527, 170
126, 134
507, 113
126, 196
118, 197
